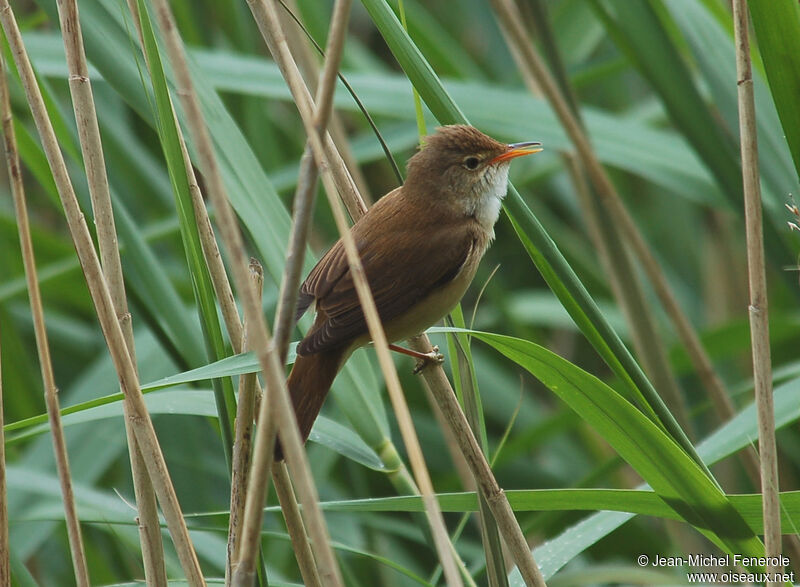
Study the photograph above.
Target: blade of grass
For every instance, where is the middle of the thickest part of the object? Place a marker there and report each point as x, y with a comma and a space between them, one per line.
200, 402
466, 386
777, 27
201, 280
640, 502
420, 116
739, 432
679, 481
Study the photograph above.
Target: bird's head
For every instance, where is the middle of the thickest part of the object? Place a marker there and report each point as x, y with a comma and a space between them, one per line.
460, 166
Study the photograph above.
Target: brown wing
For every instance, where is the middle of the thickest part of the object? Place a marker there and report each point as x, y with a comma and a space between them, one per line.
403, 264
322, 278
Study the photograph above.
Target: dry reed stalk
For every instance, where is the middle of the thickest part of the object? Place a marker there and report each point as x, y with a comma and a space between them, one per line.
303, 100
307, 179
259, 336
43, 349
295, 527
211, 255
269, 25
101, 297
758, 308
243, 568
303, 52
243, 441
208, 243
290, 282
450, 441
509, 528
302, 212
250, 390
531, 64
91, 147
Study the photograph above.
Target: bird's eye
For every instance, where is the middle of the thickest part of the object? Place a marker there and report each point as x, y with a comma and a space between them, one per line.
471, 162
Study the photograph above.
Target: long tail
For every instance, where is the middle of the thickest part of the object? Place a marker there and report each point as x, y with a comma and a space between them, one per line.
309, 382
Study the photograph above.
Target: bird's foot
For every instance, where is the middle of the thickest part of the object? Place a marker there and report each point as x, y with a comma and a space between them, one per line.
425, 359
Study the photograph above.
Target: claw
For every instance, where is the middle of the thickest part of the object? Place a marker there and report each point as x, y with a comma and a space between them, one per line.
434, 357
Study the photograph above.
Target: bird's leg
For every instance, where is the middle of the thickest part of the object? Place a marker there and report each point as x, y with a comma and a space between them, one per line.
423, 359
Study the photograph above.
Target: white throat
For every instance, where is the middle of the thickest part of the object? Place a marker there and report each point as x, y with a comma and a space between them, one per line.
485, 206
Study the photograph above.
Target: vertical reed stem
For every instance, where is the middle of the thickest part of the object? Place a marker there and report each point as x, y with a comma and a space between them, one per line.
94, 161
104, 306
258, 334
242, 444
758, 308
79, 566
294, 524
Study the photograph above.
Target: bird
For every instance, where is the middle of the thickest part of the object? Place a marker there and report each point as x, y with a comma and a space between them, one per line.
420, 246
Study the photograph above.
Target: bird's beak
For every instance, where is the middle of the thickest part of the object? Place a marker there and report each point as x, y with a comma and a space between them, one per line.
518, 150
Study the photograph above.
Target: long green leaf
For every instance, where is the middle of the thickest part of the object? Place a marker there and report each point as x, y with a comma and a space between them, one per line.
198, 402
201, 280
465, 383
730, 438
678, 480
633, 501
777, 26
